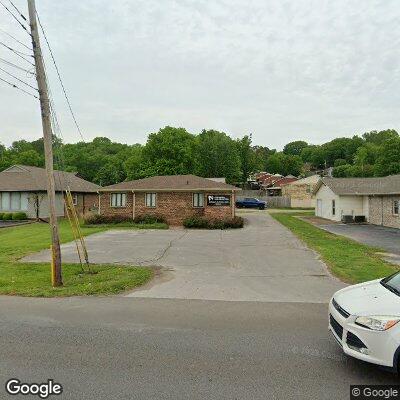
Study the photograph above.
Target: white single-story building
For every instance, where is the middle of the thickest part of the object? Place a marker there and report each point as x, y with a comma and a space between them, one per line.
24, 189
376, 199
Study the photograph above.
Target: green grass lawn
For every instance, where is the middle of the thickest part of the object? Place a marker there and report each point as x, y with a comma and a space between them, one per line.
350, 261
27, 279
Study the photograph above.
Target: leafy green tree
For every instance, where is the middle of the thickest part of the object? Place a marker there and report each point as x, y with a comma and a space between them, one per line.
380, 137
261, 154
28, 157
169, 152
388, 162
247, 157
284, 164
295, 148
217, 155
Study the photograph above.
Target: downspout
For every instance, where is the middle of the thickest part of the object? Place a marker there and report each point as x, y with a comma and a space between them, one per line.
98, 192
133, 205
233, 203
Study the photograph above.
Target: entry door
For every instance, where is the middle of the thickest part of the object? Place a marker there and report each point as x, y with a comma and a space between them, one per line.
319, 207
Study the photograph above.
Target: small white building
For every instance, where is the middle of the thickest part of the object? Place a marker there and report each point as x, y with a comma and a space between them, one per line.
376, 199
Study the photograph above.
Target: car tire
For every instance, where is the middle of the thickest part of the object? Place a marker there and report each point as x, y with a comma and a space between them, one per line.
261, 208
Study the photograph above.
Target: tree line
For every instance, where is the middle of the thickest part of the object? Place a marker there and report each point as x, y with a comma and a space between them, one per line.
211, 153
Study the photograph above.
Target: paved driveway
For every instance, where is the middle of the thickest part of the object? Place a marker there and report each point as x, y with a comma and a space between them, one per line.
262, 262
372, 235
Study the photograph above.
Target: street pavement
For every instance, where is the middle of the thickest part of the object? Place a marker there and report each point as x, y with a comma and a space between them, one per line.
131, 348
262, 262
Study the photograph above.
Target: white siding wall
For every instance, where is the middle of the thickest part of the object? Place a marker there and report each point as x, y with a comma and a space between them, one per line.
366, 207
345, 205
325, 196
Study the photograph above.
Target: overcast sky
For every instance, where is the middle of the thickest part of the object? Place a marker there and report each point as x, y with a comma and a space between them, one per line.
282, 70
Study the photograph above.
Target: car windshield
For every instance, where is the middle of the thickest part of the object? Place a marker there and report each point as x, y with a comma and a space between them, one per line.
250, 199
392, 283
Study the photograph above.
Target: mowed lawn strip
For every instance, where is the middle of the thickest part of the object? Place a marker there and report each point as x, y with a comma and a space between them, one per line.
350, 261
33, 279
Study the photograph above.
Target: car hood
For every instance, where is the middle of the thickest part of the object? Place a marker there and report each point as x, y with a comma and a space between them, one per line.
369, 298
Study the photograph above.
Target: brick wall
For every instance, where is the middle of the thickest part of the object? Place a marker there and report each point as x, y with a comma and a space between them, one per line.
300, 195
381, 211
106, 209
175, 207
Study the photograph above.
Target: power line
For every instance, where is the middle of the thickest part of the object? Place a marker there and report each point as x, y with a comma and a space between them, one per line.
17, 87
17, 10
59, 78
18, 53
9, 63
12, 14
20, 80
12, 37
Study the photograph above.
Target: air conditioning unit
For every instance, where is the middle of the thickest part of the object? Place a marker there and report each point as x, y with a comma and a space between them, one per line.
359, 219
347, 219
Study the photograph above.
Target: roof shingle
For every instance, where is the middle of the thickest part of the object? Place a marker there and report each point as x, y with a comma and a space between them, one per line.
363, 186
20, 178
172, 183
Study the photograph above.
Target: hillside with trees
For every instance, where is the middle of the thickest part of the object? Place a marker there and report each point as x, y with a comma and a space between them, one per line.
211, 154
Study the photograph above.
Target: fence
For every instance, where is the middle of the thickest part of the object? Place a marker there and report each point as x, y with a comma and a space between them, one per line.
272, 201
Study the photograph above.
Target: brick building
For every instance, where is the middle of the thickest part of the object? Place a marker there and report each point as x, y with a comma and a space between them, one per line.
174, 198
300, 192
24, 188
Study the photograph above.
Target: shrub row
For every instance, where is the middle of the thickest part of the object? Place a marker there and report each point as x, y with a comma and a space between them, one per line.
18, 216
96, 219
206, 223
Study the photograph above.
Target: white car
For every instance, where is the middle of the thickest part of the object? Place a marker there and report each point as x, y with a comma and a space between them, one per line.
364, 319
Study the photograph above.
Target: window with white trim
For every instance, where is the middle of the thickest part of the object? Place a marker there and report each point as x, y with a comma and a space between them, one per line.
396, 207
75, 199
150, 199
14, 201
198, 199
118, 199
333, 207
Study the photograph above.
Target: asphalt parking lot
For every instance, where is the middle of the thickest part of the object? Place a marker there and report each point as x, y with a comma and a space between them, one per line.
262, 262
385, 238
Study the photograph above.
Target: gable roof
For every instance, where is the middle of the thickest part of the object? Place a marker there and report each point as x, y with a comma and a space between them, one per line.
22, 178
362, 186
309, 180
171, 183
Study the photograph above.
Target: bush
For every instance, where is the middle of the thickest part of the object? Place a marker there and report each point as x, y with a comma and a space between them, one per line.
205, 223
97, 219
196, 222
7, 217
1, 215
19, 216
149, 219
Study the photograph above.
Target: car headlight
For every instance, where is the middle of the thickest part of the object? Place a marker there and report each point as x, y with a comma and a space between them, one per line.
377, 322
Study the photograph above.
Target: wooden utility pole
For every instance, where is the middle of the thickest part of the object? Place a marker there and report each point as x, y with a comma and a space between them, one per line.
48, 144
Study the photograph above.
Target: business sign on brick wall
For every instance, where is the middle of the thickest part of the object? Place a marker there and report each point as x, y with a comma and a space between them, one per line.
218, 200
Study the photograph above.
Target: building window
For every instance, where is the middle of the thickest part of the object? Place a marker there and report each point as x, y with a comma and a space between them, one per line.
150, 199
333, 207
118, 200
198, 200
14, 201
75, 199
396, 206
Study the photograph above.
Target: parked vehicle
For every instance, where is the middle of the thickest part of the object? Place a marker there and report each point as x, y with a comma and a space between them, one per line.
250, 202
364, 320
